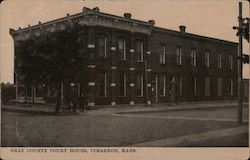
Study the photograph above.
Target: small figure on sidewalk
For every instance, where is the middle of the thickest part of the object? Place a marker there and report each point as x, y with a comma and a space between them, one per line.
74, 104
81, 101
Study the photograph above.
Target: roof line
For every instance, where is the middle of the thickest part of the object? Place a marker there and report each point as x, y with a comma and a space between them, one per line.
159, 29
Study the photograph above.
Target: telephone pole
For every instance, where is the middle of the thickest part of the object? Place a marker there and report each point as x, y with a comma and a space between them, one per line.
240, 19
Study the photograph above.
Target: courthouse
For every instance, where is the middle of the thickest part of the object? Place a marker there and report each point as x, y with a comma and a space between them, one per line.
135, 62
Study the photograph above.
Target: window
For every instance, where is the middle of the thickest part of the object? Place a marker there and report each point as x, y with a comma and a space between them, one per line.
178, 85
102, 42
194, 87
122, 84
163, 54
29, 90
178, 56
139, 51
122, 49
102, 79
207, 59
219, 87
231, 87
39, 90
230, 59
193, 58
207, 86
162, 85
139, 84
219, 60
52, 90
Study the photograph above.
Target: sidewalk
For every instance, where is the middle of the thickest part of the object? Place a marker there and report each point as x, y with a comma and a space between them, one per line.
122, 109
142, 108
178, 141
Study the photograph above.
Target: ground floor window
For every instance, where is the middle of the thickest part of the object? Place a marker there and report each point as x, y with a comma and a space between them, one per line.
219, 87
231, 86
52, 90
207, 86
122, 84
102, 81
194, 86
29, 90
177, 80
139, 84
39, 90
162, 85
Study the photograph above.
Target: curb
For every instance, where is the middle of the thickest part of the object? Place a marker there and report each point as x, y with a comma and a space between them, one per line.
40, 112
179, 109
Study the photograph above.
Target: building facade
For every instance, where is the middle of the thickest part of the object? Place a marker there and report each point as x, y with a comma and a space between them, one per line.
133, 62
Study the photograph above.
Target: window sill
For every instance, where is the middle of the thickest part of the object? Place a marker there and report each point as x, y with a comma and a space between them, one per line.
139, 61
102, 58
140, 96
121, 96
102, 96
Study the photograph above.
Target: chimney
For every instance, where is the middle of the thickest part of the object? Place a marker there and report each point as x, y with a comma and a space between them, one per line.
96, 9
152, 22
85, 9
127, 15
182, 29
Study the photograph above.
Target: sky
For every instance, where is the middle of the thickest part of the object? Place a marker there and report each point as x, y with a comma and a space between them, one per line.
212, 18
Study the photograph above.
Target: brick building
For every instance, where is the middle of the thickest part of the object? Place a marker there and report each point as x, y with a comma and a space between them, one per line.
132, 61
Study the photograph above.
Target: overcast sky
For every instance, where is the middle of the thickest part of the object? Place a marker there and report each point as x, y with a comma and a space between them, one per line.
212, 18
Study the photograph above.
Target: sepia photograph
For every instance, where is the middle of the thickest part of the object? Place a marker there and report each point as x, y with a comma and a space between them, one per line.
133, 74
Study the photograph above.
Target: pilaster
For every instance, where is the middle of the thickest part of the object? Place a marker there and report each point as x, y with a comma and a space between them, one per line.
91, 47
113, 68
132, 70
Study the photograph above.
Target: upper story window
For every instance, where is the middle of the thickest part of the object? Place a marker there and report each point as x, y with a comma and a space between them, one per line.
219, 60
102, 47
139, 51
122, 49
193, 58
163, 54
179, 56
207, 59
230, 59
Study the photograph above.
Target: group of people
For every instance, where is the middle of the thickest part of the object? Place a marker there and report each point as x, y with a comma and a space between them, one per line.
72, 103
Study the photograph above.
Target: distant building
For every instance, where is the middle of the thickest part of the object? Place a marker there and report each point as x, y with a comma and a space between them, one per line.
133, 61
246, 89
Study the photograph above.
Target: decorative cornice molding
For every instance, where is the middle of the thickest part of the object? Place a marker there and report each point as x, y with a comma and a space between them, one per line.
89, 17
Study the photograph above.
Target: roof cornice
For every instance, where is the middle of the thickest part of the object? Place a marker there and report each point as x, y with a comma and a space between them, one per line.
89, 17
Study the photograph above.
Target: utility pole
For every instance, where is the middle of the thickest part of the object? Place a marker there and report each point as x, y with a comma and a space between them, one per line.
249, 61
146, 80
240, 19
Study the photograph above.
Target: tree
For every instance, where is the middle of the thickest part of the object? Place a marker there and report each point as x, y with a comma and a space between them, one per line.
58, 57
